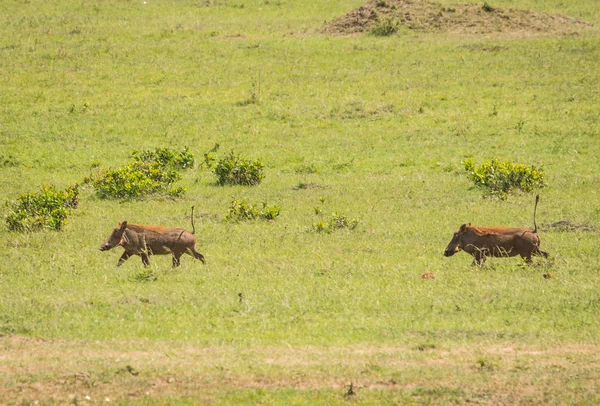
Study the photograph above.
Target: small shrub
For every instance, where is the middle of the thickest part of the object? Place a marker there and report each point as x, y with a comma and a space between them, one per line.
500, 177
241, 210
335, 222
136, 180
48, 209
385, 28
166, 157
235, 170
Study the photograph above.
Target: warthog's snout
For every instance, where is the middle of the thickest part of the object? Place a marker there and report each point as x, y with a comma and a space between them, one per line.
447, 253
104, 247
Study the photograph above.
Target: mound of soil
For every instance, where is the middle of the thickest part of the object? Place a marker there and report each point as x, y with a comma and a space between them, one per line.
425, 16
566, 225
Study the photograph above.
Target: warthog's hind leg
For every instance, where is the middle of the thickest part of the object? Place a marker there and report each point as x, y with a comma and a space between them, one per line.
196, 254
176, 259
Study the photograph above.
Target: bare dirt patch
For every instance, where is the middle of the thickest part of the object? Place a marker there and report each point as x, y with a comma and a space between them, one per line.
426, 16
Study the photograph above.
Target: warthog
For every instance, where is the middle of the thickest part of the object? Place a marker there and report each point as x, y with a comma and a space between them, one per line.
482, 242
153, 240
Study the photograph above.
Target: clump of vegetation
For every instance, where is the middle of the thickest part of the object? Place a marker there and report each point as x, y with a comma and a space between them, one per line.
136, 180
385, 28
241, 210
334, 222
500, 177
166, 157
48, 209
152, 172
236, 170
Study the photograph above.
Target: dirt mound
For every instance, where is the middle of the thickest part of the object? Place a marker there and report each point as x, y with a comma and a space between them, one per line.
425, 16
566, 225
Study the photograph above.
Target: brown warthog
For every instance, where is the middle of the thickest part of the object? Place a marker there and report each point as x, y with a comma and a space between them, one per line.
482, 242
153, 240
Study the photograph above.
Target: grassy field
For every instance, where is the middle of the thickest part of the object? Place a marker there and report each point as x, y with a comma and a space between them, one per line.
369, 127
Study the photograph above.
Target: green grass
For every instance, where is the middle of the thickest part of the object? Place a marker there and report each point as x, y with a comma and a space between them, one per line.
383, 124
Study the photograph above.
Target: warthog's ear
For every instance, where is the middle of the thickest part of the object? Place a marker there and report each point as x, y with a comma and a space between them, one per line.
123, 226
463, 228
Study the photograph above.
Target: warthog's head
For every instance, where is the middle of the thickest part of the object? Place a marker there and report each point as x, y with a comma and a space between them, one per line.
114, 240
456, 244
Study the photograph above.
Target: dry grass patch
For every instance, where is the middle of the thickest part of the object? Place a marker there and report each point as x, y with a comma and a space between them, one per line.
73, 371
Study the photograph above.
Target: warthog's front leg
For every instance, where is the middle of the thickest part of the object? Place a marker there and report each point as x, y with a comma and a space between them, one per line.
123, 258
479, 257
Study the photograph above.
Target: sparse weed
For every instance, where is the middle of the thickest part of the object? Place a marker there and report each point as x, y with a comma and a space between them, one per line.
385, 28
209, 157
166, 157
236, 170
487, 7
241, 210
48, 209
8, 161
500, 177
484, 364
145, 275
306, 168
254, 97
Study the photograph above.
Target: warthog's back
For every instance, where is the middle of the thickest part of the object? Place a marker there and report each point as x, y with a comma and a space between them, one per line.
502, 241
162, 240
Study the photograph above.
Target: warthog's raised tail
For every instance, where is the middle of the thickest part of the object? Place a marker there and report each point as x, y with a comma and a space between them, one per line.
193, 228
537, 199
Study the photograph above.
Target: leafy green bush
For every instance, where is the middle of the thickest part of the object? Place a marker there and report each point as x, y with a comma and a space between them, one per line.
137, 180
335, 222
166, 157
241, 210
235, 170
48, 209
500, 177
